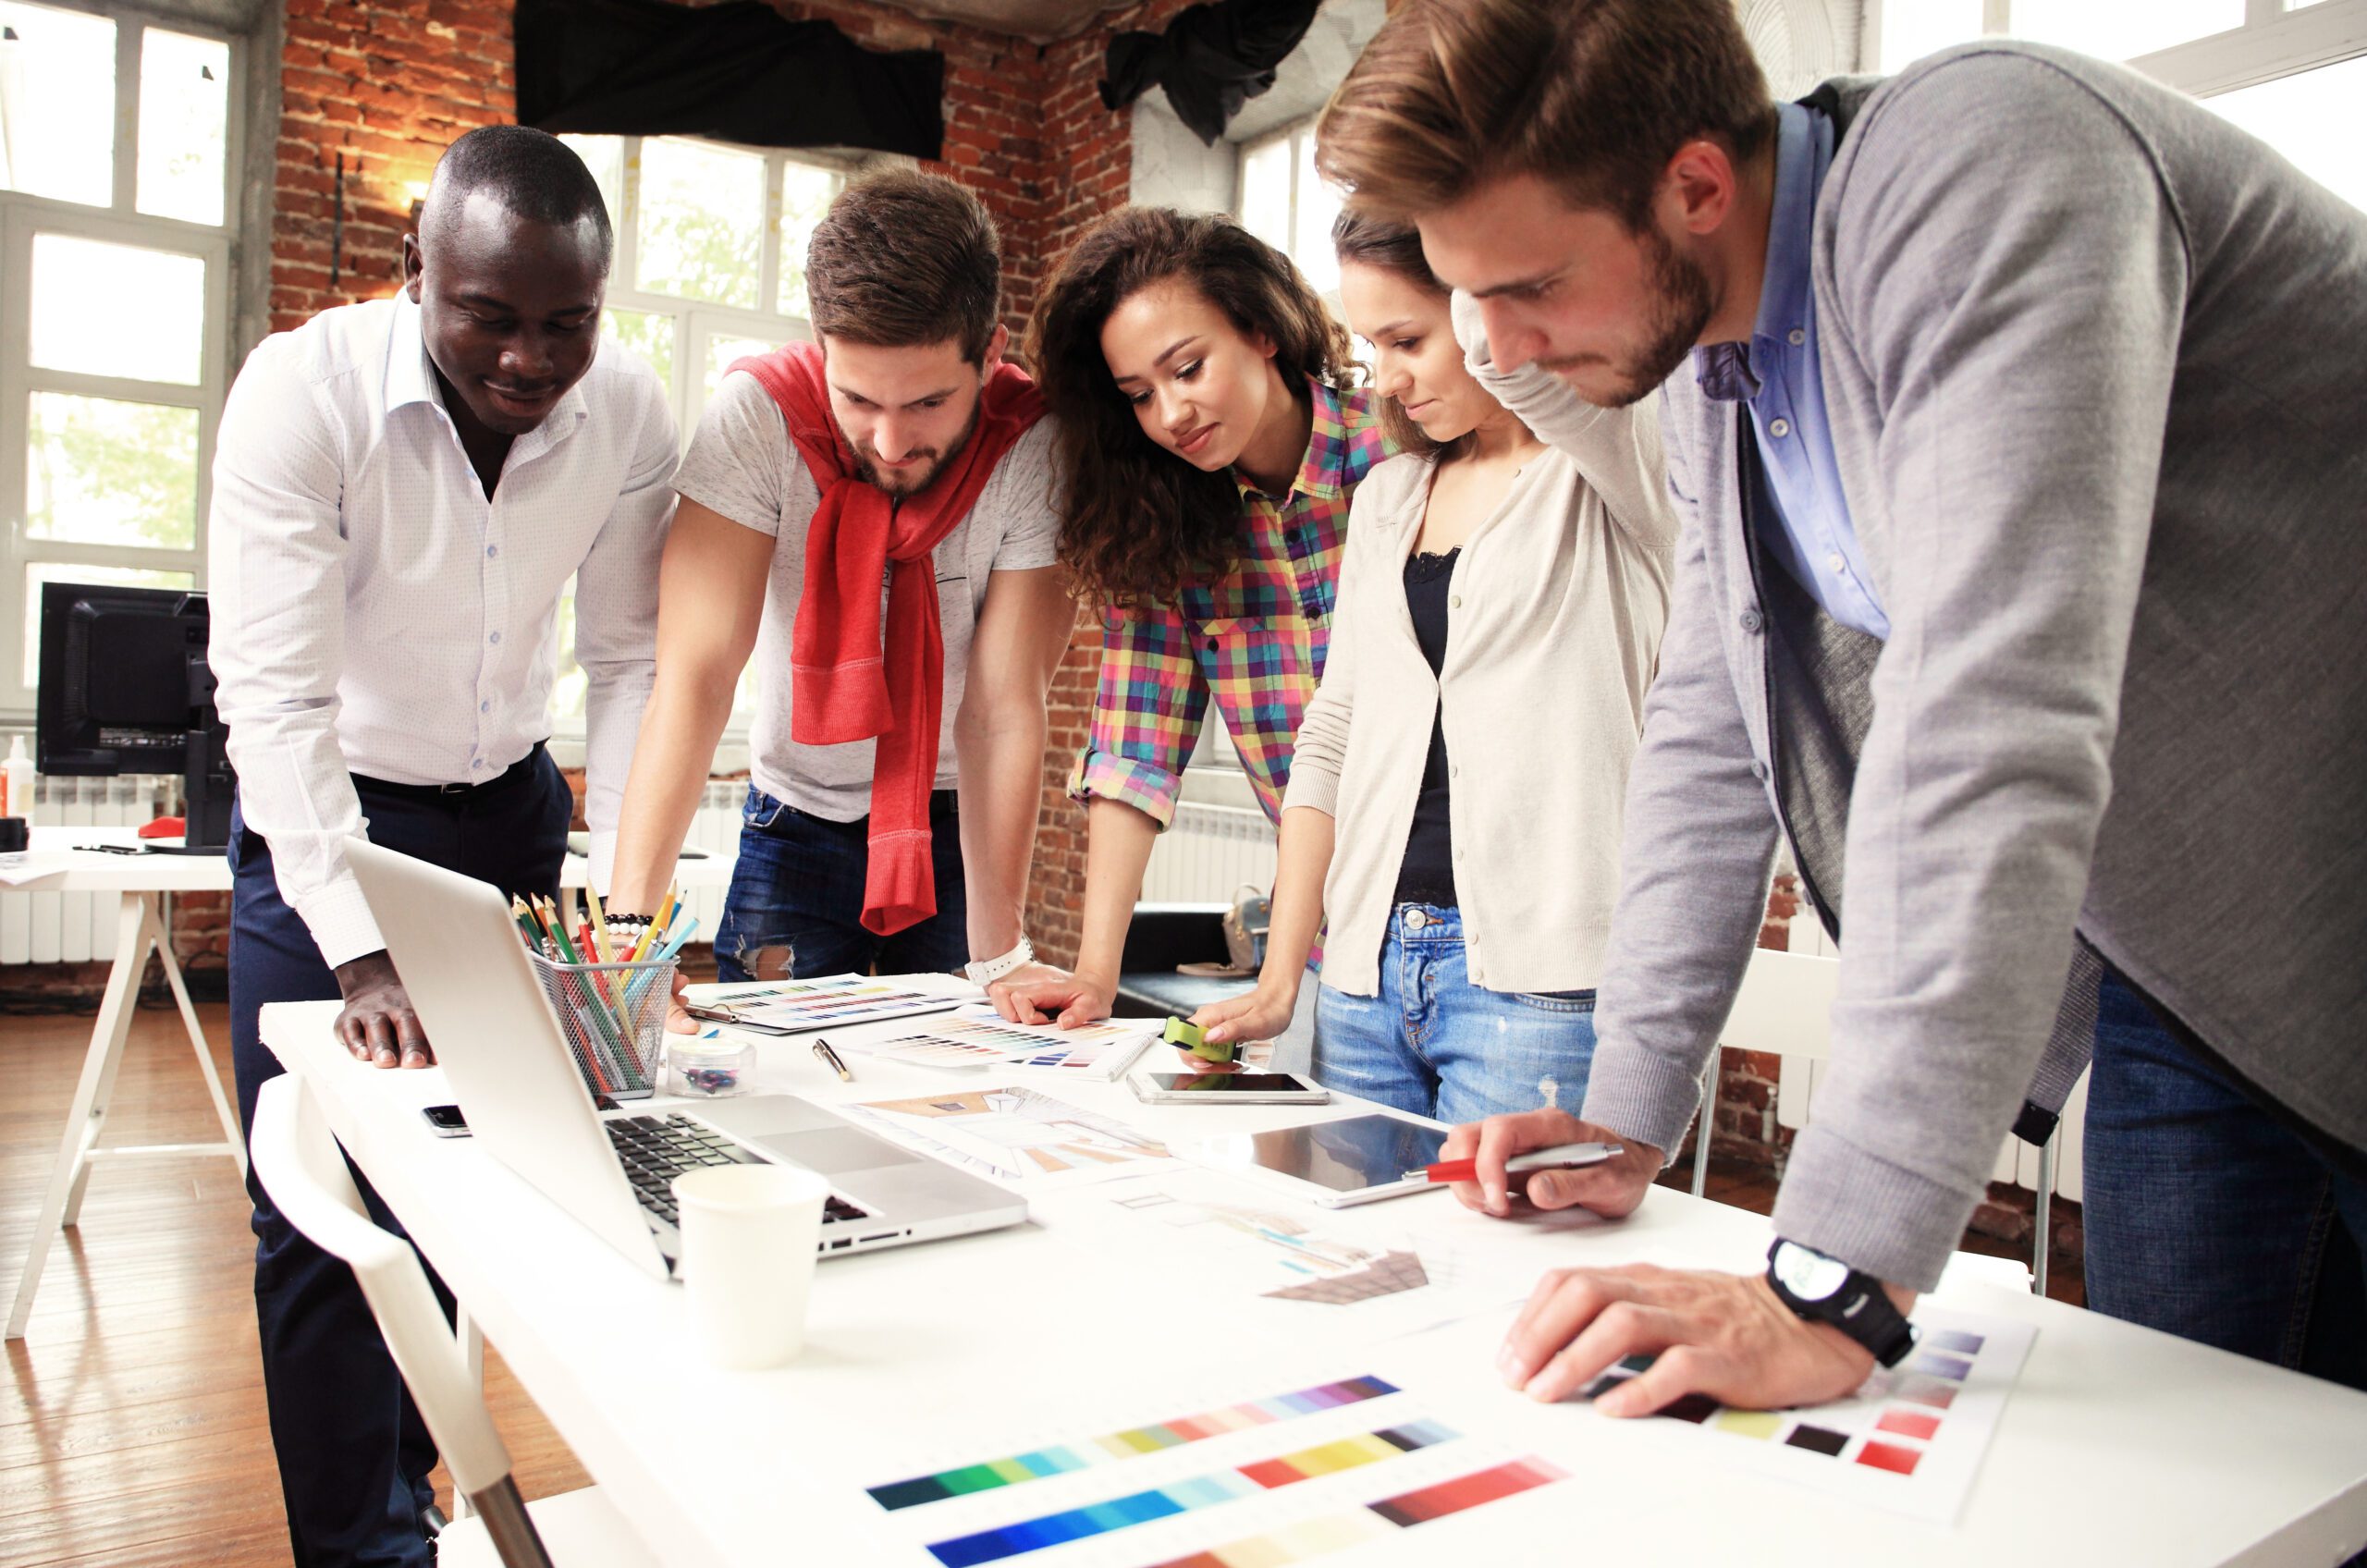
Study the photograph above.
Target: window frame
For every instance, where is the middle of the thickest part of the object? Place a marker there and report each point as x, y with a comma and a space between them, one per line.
23, 215
2274, 41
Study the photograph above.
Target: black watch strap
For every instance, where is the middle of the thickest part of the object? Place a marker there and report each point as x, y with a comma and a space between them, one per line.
1860, 1308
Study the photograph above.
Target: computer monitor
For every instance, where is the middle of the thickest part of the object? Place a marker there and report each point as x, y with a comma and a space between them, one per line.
125, 688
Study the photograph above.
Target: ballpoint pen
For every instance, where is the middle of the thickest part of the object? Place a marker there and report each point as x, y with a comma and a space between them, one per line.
831, 1060
1561, 1156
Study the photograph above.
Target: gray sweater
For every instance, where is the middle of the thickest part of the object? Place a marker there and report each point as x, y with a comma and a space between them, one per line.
2096, 364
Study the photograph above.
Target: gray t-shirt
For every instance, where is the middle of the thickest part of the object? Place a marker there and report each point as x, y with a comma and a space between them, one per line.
742, 465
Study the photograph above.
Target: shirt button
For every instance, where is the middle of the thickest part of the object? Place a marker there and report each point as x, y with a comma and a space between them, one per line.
1212, 645
1758, 770
1752, 621
495, 638
1798, 338
1779, 428
485, 707
492, 550
1838, 562
1454, 602
479, 763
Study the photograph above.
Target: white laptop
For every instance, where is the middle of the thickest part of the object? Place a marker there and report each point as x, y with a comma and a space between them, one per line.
461, 961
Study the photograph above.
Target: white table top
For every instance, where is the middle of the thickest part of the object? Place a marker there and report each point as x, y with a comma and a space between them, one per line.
2119, 1445
65, 867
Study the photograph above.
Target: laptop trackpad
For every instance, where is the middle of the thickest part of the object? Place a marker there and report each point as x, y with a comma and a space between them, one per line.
834, 1151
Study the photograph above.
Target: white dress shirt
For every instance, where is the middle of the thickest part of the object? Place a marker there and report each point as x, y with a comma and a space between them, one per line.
375, 614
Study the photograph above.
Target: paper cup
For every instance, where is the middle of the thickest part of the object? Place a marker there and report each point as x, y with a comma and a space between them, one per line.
749, 1237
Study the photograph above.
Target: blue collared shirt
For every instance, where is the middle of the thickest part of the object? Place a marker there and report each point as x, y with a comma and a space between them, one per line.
1775, 378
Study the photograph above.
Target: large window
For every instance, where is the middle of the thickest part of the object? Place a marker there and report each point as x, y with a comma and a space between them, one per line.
2292, 72
1284, 202
116, 174
710, 267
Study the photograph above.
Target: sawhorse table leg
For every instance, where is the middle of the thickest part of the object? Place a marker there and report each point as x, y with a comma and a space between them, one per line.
139, 929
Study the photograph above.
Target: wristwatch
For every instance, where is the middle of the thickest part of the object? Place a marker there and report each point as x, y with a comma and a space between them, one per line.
1825, 1289
987, 970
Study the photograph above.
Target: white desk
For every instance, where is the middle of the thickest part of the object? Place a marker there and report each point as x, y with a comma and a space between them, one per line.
144, 881
2119, 1445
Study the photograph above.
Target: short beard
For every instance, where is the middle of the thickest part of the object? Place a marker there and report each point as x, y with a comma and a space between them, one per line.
903, 487
1681, 308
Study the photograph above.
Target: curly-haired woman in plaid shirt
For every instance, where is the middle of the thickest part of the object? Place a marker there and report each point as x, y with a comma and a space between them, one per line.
1209, 436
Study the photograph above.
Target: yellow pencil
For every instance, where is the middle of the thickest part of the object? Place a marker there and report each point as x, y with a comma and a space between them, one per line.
599, 926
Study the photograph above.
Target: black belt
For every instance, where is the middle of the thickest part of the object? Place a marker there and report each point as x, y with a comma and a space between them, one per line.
515, 774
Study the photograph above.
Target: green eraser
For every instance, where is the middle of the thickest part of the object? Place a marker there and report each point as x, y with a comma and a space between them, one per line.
1192, 1038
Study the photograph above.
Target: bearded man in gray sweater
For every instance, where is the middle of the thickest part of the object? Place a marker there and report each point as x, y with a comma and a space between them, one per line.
2014, 410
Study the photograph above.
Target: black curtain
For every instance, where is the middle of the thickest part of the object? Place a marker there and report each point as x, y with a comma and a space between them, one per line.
1211, 59
738, 72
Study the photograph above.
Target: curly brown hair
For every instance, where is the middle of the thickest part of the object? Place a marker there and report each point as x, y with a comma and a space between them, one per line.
1141, 522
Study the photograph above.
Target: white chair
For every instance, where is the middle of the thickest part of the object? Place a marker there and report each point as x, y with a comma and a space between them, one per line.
300, 1164
1784, 1009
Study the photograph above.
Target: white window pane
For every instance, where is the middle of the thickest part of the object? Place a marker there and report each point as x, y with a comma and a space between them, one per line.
723, 348
568, 689
99, 471
184, 125
806, 193
39, 572
2122, 29
702, 221
1266, 193
117, 310
58, 103
1912, 29
647, 334
2316, 118
604, 157
1319, 204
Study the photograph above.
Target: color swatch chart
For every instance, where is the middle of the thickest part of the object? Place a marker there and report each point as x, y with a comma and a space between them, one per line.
977, 1039
1260, 1483
830, 1001
1015, 1134
1910, 1440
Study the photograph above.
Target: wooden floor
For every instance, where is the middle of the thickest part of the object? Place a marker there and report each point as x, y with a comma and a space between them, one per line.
132, 1432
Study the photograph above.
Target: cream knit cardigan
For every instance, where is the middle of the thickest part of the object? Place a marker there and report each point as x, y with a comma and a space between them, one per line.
1556, 607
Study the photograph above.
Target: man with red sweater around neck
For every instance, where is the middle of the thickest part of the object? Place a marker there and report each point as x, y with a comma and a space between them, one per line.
872, 515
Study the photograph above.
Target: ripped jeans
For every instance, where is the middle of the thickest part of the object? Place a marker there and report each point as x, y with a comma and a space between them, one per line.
1436, 1044
797, 888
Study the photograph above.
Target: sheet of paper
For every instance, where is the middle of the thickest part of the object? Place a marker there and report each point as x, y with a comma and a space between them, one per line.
1910, 1441
830, 1001
1014, 1134
17, 870
977, 1037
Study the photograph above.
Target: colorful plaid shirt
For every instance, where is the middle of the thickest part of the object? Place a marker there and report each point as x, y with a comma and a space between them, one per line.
1255, 638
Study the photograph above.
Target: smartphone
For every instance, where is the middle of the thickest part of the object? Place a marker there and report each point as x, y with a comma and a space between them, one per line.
1227, 1089
446, 1121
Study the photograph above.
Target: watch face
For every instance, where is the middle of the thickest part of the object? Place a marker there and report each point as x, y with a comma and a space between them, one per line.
1809, 1275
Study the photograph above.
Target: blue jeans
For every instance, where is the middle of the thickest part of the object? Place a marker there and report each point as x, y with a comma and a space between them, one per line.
353, 1454
799, 884
1436, 1044
2207, 1216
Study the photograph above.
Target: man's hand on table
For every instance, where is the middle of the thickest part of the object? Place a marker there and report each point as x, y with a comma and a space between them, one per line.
378, 1025
1724, 1335
1611, 1189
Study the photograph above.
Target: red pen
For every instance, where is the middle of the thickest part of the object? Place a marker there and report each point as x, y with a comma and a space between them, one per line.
1560, 1156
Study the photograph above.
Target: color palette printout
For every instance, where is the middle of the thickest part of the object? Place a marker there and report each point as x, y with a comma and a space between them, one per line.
834, 1002
1293, 1476
1910, 1441
978, 1037
1014, 1134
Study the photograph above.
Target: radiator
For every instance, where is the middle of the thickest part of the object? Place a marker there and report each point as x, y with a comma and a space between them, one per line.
77, 927
1207, 852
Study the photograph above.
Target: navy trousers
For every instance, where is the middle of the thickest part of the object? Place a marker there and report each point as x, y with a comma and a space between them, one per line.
353, 1454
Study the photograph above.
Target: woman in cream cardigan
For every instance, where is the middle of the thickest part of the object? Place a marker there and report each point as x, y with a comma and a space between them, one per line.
1455, 797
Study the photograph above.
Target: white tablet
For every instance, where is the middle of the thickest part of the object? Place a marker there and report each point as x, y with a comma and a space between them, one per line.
1354, 1159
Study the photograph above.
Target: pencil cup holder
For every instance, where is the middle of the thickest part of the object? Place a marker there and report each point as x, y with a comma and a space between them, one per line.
613, 1018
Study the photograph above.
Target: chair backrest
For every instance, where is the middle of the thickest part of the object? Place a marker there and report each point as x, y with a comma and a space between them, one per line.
1785, 1005
302, 1168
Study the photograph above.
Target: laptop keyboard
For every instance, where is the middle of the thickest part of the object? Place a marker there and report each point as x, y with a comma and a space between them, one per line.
655, 1149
